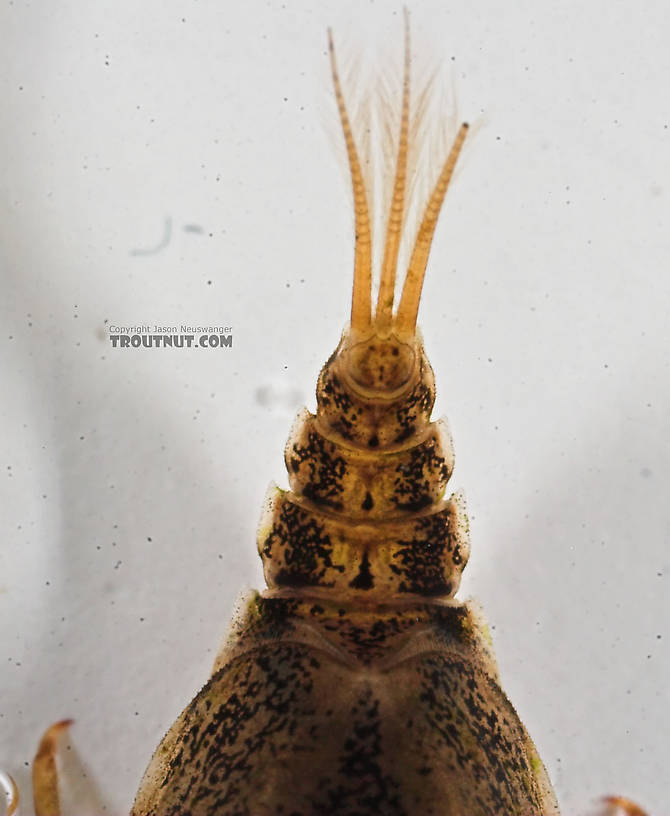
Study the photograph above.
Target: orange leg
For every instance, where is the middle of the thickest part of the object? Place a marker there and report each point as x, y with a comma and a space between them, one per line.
47, 803
621, 805
8, 785
45, 772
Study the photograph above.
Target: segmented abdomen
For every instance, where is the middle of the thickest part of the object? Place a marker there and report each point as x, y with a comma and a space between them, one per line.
356, 685
365, 513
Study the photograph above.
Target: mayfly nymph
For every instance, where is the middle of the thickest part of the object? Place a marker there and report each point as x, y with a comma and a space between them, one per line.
355, 684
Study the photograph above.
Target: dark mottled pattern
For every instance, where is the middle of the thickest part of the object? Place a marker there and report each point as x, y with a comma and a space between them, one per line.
373, 459
268, 619
368, 634
414, 411
354, 688
326, 470
336, 401
427, 560
422, 479
304, 546
334, 390
418, 554
374, 424
289, 728
357, 484
361, 783
367, 639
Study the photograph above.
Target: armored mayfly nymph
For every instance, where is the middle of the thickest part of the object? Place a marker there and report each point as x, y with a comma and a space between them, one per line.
356, 683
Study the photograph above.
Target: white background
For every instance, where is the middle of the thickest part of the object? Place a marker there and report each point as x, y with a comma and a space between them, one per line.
132, 480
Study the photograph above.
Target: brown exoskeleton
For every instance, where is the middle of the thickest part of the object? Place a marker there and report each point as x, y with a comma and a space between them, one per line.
356, 683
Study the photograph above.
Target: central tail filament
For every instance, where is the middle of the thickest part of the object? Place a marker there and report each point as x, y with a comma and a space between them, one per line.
393, 232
